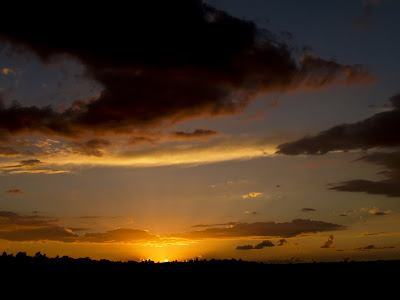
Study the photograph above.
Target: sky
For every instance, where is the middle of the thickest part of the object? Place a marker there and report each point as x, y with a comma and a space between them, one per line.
173, 130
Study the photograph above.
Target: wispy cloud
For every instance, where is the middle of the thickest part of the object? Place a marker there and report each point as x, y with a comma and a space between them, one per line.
15, 191
199, 134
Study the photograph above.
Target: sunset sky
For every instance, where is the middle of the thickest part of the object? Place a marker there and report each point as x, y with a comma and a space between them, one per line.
172, 130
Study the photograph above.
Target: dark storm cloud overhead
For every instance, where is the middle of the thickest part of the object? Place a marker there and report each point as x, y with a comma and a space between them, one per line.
160, 62
286, 229
197, 134
380, 130
389, 186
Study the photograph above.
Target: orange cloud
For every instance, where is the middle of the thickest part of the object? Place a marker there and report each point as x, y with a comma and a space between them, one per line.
15, 191
252, 195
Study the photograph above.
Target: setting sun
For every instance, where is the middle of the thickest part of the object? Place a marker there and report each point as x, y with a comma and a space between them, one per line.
198, 131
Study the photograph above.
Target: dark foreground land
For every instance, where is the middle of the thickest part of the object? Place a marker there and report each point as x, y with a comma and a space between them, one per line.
22, 259
235, 277
40, 262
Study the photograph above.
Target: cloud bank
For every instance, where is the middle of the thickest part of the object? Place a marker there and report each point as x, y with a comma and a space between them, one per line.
17, 227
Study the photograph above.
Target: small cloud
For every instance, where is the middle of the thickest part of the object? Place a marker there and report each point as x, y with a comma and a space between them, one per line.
373, 234
24, 164
263, 244
373, 247
8, 71
282, 242
376, 211
245, 247
197, 134
250, 212
307, 209
16, 191
252, 195
328, 243
229, 224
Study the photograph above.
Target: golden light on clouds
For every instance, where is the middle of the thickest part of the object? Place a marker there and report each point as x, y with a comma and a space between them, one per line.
57, 157
252, 195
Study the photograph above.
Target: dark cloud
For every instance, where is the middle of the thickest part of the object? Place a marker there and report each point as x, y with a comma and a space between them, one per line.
380, 130
307, 209
245, 247
282, 242
15, 191
328, 243
390, 186
373, 247
286, 229
15, 227
197, 134
261, 245
159, 63
219, 224
24, 164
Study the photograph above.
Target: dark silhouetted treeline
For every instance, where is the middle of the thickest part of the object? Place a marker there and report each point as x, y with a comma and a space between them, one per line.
21, 258
200, 274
